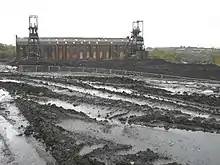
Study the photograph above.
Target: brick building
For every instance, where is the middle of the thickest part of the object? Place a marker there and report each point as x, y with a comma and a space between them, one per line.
60, 48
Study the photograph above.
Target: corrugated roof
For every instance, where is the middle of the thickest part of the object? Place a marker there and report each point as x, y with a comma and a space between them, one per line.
76, 40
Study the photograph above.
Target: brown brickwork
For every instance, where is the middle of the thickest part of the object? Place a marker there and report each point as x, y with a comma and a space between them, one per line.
76, 48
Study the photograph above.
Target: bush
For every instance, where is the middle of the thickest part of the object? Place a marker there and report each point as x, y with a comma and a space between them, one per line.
7, 51
167, 56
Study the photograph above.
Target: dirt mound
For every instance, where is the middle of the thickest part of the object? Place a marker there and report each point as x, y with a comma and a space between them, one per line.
153, 66
207, 71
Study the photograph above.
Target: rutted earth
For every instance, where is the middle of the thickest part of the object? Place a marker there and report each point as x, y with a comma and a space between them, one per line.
83, 119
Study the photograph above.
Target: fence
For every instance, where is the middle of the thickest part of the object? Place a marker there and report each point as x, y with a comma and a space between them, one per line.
42, 68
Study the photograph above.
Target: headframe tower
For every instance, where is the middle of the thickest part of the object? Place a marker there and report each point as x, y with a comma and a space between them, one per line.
33, 39
136, 40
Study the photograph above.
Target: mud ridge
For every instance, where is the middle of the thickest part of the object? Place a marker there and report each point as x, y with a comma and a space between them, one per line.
62, 144
153, 116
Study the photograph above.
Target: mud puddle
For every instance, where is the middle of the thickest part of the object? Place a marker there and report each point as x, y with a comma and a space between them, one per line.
179, 87
6, 156
28, 154
113, 89
171, 104
4, 96
117, 97
32, 83
151, 104
98, 93
166, 105
183, 146
87, 149
52, 86
11, 80
12, 125
102, 113
99, 113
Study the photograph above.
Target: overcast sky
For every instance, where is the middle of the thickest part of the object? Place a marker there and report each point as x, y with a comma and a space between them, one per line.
167, 22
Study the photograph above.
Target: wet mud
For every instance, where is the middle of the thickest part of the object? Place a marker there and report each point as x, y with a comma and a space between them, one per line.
64, 145
116, 119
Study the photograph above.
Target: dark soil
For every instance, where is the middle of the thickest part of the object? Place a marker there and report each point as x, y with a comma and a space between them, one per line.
208, 71
157, 66
169, 120
63, 144
153, 117
136, 85
57, 142
139, 87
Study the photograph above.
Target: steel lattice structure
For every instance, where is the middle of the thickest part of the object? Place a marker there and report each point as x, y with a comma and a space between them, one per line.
33, 39
136, 41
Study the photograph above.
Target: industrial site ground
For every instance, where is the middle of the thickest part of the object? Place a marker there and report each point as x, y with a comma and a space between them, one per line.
94, 119
207, 71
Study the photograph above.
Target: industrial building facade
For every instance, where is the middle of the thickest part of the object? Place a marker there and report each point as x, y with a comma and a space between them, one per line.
75, 48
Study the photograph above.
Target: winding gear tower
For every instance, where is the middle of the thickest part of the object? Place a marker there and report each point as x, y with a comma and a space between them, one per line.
136, 41
137, 36
33, 39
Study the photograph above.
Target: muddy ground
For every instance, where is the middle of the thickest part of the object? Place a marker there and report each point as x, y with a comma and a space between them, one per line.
84, 119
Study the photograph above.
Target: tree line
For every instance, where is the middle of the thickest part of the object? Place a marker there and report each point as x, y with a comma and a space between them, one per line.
7, 51
165, 55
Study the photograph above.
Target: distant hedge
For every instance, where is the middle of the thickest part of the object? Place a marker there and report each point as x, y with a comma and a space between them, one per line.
7, 51
165, 55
